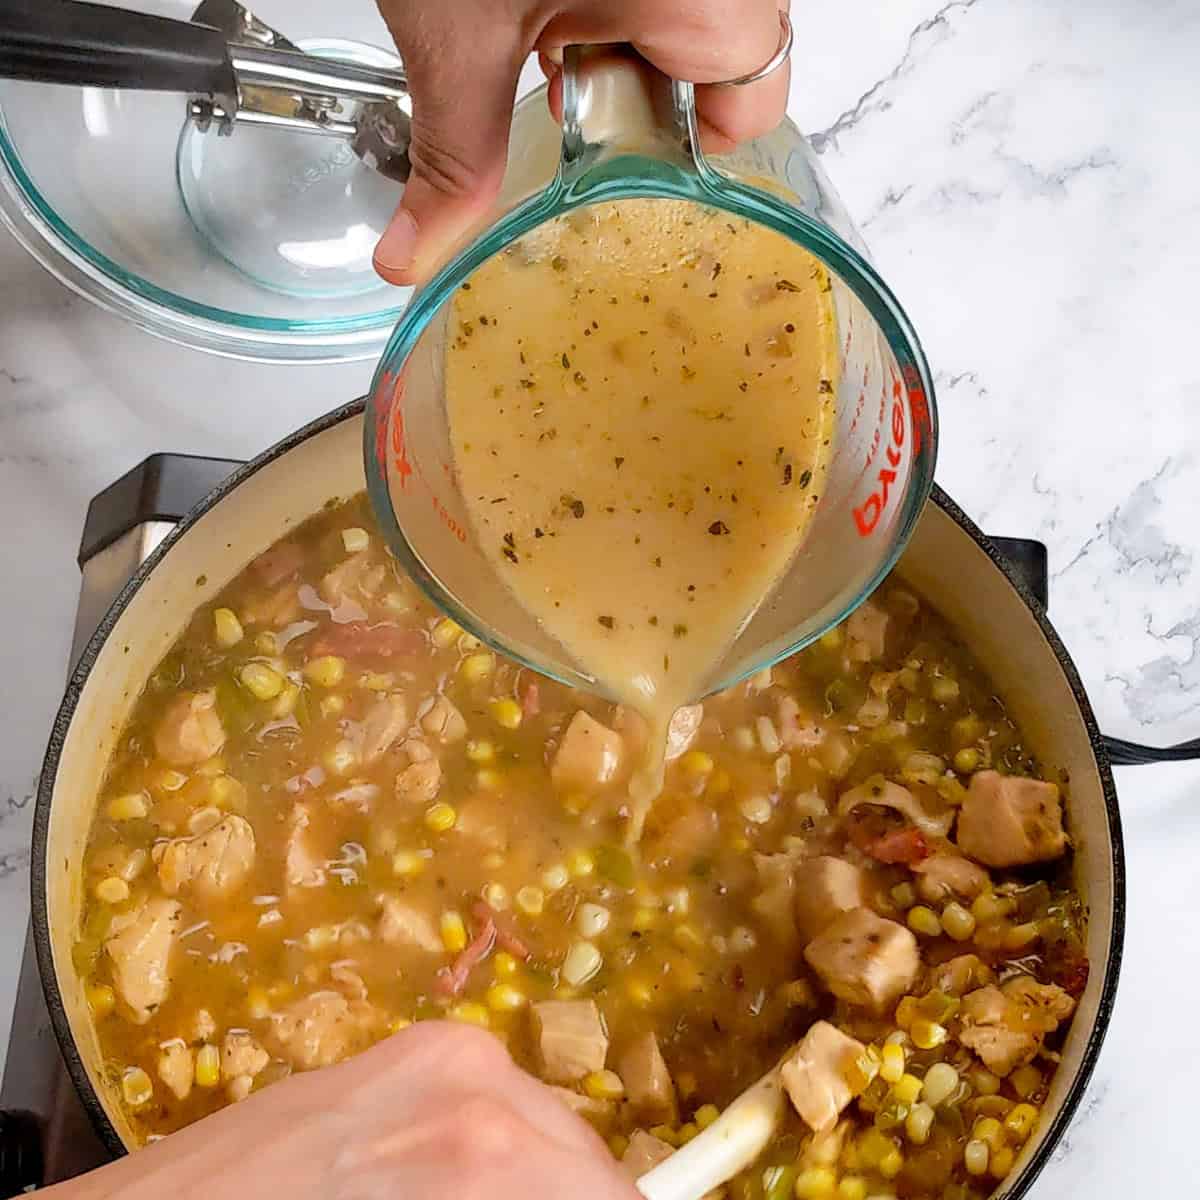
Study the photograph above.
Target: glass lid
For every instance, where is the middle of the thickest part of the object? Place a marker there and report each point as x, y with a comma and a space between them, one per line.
254, 241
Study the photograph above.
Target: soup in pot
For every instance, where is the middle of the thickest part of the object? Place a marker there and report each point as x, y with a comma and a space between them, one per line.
333, 813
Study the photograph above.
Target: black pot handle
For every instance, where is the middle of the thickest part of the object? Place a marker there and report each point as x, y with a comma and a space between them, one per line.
93, 45
1028, 561
21, 1162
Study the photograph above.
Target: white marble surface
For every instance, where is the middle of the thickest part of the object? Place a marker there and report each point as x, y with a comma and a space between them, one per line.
1025, 174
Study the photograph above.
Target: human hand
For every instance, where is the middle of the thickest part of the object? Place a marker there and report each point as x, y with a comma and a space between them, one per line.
438, 1110
463, 58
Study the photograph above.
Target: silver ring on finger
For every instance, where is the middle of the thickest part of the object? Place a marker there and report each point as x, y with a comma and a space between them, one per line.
786, 39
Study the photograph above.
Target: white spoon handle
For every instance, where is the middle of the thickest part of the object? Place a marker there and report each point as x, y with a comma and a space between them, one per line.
733, 1141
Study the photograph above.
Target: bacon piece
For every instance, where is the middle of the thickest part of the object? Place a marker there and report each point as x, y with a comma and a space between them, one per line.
358, 640
531, 703
506, 937
452, 980
277, 564
876, 837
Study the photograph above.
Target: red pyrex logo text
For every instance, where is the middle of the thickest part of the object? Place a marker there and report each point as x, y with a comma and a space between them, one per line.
867, 514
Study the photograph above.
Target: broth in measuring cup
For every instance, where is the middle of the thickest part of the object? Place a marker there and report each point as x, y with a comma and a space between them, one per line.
641, 407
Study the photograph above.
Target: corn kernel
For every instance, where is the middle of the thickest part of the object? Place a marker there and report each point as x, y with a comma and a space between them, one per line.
136, 1087
643, 919
581, 863
454, 931
604, 1085
488, 780
582, 961
918, 1123
555, 877
130, 807
1021, 1120
592, 919
355, 540
1000, 1162
852, 1187
832, 639
617, 1145
906, 1089
686, 937
477, 667
503, 997
720, 782
227, 628
327, 671
1020, 936
495, 895
471, 1013
872, 1146
975, 1157
984, 1082
892, 1063
112, 890
101, 1000
261, 681
891, 1164
169, 780
445, 633
531, 900
943, 689
440, 817
988, 1129
504, 965
665, 1133
258, 1003
906, 1010
987, 906
756, 809
1026, 1081
967, 760
927, 1034
958, 922
506, 712
940, 1083
687, 1131
904, 895
377, 681
706, 1114
924, 920
575, 803
816, 1183
697, 762
481, 751
640, 992
407, 863
395, 1024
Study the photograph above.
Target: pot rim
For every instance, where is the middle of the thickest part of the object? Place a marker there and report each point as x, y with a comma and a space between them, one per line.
356, 408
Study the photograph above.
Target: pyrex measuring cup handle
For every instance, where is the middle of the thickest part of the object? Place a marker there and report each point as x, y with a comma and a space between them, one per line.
93, 45
616, 103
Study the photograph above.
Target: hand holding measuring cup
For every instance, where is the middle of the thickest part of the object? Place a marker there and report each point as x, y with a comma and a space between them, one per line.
464, 57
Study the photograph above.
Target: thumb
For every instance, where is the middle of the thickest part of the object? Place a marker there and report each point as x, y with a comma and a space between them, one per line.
463, 85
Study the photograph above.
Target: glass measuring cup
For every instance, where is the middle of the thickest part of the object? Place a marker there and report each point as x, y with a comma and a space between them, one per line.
629, 132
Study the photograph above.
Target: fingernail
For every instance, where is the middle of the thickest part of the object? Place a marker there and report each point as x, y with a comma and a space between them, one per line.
398, 246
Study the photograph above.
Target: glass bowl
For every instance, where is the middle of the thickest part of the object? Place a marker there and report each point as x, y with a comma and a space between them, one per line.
256, 245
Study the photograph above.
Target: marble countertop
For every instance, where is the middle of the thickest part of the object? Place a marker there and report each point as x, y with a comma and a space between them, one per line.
1025, 176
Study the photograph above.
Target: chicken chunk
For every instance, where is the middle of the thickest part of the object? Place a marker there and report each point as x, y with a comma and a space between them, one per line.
419, 782
177, 1067
570, 1038
385, 721
589, 755
211, 865
993, 1026
241, 1055
1008, 821
865, 959
444, 723
866, 630
949, 876
644, 1152
304, 866
961, 974
927, 812
401, 924
817, 1075
826, 887
190, 731
1045, 1005
318, 1031
648, 1085
139, 947
797, 729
